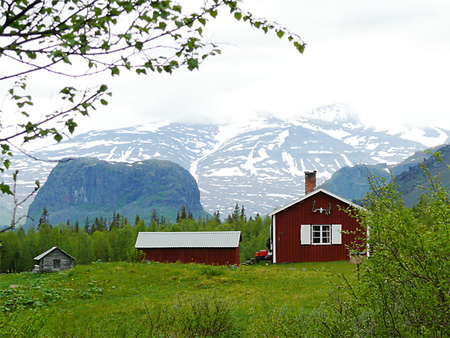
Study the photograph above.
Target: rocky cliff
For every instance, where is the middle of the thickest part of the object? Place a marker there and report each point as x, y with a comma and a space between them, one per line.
87, 187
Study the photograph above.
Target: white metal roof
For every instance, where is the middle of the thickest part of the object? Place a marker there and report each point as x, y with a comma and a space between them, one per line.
312, 193
198, 239
42, 255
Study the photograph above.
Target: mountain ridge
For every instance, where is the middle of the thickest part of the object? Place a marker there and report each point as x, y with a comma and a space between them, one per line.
257, 163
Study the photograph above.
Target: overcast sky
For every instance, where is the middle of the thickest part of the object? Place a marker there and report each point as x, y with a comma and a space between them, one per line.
390, 60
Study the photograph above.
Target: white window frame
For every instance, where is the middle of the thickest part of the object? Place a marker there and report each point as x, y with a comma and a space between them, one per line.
322, 231
334, 234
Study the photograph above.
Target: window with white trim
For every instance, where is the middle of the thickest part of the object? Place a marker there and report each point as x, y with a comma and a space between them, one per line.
320, 234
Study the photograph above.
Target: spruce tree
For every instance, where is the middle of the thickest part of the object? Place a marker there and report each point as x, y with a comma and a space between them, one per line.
183, 212
217, 217
87, 226
155, 217
44, 220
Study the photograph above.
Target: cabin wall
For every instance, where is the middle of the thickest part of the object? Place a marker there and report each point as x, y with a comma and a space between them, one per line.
211, 256
288, 226
47, 263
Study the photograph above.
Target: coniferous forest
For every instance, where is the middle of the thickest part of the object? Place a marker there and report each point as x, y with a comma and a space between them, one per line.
112, 240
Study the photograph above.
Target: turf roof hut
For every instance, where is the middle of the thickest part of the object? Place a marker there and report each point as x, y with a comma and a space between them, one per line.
53, 260
211, 247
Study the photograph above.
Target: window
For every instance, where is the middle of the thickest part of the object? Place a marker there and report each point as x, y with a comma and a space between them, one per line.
317, 234
56, 263
321, 234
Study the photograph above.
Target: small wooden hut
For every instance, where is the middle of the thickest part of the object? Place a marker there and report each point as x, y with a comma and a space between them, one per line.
53, 260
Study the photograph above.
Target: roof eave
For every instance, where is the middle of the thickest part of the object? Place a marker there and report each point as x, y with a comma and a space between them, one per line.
312, 193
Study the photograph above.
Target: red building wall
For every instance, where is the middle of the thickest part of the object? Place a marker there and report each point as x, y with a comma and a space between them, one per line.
288, 224
210, 256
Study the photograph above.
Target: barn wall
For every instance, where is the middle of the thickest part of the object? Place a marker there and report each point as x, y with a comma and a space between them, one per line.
213, 256
46, 263
288, 224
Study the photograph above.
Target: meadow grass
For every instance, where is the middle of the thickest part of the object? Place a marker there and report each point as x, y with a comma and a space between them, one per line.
154, 299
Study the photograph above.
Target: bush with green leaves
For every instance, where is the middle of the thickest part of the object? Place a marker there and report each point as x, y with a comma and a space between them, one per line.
404, 288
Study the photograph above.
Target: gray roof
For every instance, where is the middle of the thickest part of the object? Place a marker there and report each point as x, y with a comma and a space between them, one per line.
310, 194
198, 239
42, 255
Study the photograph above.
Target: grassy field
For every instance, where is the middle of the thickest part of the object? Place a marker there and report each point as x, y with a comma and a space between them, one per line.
168, 300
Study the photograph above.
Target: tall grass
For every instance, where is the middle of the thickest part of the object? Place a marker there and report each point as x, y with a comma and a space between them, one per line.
167, 300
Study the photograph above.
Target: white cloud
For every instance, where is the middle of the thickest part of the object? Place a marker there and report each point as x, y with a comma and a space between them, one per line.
387, 59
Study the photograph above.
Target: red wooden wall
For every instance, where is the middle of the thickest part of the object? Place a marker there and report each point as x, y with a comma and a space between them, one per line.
288, 224
211, 256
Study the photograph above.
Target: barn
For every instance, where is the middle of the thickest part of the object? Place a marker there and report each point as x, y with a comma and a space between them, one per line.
205, 247
313, 228
54, 259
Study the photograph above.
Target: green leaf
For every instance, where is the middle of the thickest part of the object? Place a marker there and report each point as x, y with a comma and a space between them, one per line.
192, 64
280, 33
238, 15
58, 138
71, 125
115, 71
104, 102
5, 189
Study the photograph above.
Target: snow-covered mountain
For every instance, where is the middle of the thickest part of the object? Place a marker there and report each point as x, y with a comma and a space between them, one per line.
258, 163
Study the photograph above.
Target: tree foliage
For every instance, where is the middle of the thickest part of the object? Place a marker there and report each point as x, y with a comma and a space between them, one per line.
80, 38
404, 288
113, 240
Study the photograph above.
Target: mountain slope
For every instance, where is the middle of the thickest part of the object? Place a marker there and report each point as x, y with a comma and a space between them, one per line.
257, 163
87, 187
416, 181
410, 176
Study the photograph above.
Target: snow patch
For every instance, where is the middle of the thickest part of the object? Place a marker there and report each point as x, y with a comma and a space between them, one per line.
347, 161
152, 127
419, 136
281, 138
234, 171
251, 160
292, 166
338, 134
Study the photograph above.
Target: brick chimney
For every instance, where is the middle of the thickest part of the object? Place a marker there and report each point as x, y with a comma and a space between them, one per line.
310, 181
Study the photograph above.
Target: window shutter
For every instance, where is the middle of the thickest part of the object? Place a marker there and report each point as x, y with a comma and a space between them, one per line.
305, 234
336, 235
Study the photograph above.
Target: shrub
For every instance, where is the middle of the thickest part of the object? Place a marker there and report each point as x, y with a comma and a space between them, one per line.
204, 316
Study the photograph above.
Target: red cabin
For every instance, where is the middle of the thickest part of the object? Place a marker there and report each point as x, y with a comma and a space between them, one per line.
212, 247
313, 228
